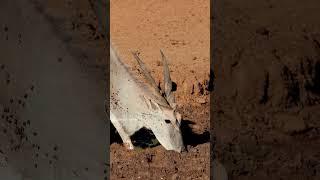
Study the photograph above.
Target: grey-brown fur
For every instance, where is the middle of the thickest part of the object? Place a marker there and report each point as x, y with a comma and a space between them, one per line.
134, 105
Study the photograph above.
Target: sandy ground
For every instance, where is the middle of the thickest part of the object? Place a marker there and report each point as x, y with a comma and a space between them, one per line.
52, 91
266, 99
181, 30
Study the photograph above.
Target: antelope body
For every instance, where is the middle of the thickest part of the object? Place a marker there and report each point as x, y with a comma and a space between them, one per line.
134, 105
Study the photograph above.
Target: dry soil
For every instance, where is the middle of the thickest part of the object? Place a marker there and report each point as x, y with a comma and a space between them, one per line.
181, 29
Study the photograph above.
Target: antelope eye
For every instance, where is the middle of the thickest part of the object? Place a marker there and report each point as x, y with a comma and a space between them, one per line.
167, 121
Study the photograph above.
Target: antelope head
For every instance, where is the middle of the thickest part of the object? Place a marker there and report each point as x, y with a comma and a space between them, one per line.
165, 120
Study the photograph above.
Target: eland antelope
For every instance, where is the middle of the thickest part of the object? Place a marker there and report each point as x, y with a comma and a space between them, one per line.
134, 105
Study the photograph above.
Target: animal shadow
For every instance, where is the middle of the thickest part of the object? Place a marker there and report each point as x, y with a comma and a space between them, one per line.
191, 138
144, 138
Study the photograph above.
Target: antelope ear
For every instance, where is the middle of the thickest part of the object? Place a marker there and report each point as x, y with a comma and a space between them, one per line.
169, 95
174, 106
171, 100
178, 116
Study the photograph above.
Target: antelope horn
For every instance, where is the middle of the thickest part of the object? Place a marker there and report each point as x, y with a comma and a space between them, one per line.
167, 82
146, 73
